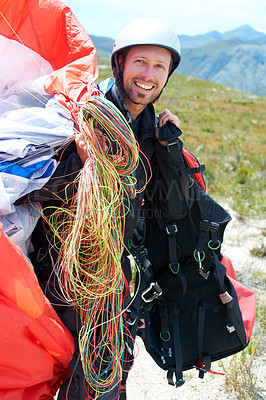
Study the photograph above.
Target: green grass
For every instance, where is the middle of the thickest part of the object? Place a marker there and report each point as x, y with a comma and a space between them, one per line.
225, 129
240, 373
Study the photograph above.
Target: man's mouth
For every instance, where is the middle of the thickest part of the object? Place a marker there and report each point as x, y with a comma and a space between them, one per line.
143, 86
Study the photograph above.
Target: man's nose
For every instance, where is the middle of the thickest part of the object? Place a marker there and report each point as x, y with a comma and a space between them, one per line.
147, 72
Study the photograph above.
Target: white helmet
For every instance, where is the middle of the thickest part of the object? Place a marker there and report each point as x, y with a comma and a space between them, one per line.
146, 31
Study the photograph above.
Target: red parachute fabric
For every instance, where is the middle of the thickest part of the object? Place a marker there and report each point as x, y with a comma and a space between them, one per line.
35, 347
192, 162
49, 28
246, 297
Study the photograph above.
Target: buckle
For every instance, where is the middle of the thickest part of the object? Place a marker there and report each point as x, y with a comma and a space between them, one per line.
156, 292
214, 227
131, 321
204, 225
230, 328
172, 142
171, 229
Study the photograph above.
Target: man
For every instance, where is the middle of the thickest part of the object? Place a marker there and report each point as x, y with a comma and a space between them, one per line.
145, 54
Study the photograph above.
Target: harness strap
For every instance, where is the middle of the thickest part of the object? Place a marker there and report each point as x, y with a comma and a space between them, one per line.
122, 391
174, 147
204, 228
140, 285
171, 231
166, 349
133, 311
195, 170
178, 355
165, 330
219, 273
214, 243
204, 364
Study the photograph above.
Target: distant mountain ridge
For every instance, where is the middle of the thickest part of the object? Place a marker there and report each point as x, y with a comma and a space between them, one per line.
236, 58
245, 33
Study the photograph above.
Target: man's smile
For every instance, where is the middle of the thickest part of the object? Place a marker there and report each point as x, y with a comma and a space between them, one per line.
143, 86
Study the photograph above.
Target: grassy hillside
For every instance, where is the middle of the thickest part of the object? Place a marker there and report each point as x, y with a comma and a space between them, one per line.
225, 129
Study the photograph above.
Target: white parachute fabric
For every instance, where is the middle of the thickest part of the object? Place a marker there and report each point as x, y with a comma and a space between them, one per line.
28, 137
19, 72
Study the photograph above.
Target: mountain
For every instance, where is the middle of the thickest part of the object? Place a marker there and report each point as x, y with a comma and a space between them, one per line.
239, 66
245, 33
236, 58
199, 40
103, 43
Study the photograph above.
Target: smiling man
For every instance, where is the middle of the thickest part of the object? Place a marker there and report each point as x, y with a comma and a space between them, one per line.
145, 71
145, 54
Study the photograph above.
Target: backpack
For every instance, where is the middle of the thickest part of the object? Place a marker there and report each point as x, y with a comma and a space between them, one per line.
188, 307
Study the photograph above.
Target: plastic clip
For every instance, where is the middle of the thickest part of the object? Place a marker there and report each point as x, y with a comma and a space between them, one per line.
171, 229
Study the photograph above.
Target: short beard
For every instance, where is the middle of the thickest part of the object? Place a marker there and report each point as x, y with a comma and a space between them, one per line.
138, 100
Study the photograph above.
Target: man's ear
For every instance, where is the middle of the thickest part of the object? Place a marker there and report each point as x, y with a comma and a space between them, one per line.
121, 62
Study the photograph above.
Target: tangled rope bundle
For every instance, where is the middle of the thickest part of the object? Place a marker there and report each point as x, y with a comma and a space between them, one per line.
90, 232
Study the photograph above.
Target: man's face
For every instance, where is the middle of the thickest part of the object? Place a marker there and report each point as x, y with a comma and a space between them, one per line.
145, 71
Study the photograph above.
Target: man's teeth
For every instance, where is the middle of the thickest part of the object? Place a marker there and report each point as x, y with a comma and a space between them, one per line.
142, 86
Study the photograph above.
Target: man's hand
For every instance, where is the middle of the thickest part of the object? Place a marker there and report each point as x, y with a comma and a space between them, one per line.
82, 147
165, 116
82, 144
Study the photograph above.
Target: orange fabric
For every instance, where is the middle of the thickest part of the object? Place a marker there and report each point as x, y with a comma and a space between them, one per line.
50, 29
35, 347
246, 297
192, 163
230, 271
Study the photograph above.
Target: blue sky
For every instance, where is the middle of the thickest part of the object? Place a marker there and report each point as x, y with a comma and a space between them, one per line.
186, 17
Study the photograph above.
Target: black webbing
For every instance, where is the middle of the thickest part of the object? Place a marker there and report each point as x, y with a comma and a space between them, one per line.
178, 357
171, 231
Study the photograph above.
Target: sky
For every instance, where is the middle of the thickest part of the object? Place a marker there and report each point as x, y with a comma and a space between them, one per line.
185, 17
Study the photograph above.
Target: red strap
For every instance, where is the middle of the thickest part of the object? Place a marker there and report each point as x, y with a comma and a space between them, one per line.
216, 373
201, 365
192, 162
